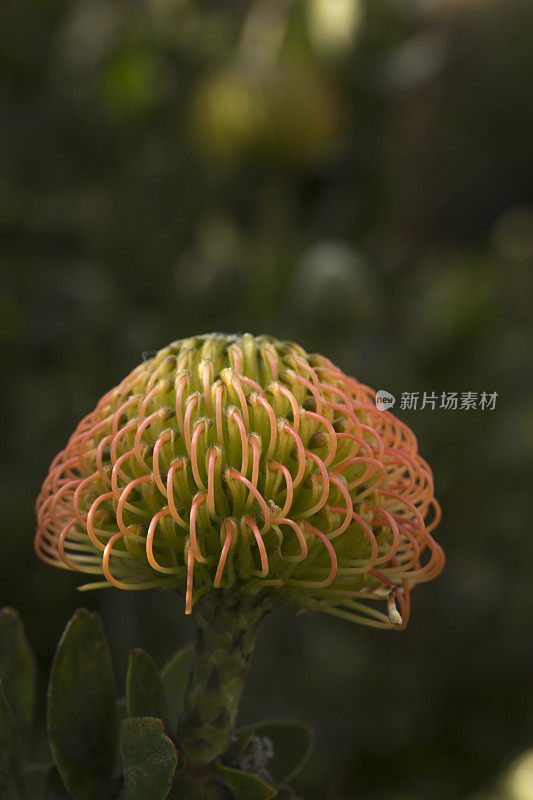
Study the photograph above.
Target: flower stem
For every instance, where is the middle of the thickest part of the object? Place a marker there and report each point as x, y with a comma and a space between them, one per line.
227, 625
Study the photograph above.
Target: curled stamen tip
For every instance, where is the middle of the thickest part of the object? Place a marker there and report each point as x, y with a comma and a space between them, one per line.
319, 439
182, 374
395, 618
172, 433
203, 422
227, 375
165, 386
253, 398
286, 374
165, 412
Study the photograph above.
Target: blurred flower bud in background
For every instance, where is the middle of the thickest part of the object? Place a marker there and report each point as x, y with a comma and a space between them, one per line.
334, 286
516, 783
86, 36
453, 300
282, 113
211, 273
513, 234
334, 25
519, 783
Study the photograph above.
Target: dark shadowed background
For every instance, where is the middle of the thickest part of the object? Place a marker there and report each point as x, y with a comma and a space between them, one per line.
356, 175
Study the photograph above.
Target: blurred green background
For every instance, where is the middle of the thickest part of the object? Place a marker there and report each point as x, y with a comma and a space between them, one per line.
356, 175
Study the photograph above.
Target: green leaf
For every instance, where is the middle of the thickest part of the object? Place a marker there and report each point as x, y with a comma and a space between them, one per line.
17, 672
145, 695
122, 710
12, 781
292, 743
82, 714
122, 714
149, 757
246, 786
36, 774
55, 788
175, 676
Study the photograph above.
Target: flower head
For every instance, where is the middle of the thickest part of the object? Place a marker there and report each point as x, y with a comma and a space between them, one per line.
244, 463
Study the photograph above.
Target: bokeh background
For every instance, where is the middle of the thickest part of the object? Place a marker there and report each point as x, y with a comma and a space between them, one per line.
356, 175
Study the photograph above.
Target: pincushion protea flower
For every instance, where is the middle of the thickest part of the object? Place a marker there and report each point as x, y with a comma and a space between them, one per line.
243, 463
